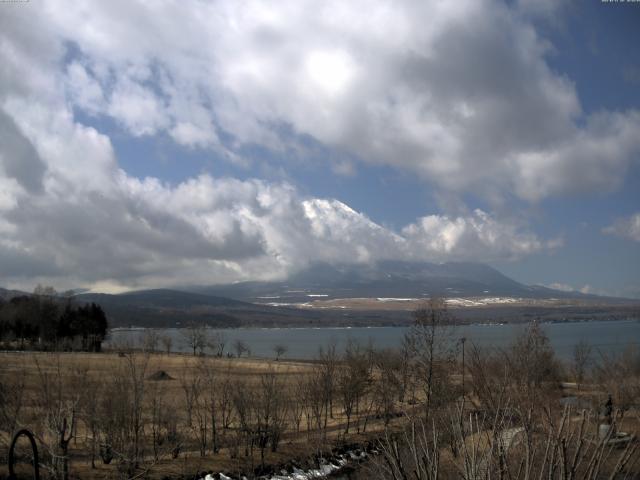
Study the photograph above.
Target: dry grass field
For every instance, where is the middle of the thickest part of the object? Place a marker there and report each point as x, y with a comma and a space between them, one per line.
85, 380
132, 414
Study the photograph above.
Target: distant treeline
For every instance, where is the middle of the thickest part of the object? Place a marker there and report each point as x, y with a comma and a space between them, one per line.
47, 321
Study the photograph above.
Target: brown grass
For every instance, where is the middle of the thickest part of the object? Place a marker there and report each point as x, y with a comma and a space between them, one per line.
103, 366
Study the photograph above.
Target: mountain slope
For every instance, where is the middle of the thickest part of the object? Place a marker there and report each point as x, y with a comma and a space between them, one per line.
315, 297
387, 279
174, 308
6, 294
160, 298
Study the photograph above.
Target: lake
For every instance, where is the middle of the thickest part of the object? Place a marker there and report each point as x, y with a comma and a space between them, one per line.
303, 343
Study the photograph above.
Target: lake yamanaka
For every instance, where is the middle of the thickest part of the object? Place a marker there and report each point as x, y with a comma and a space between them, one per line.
303, 343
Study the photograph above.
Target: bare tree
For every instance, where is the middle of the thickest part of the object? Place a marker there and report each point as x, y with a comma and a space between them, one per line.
328, 363
431, 342
581, 361
533, 356
216, 343
174, 437
490, 377
157, 409
245, 413
133, 371
196, 397
316, 401
121, 413
566, 447
150, 340
270, 412
58, 401
213, 388
297, 396
352, 380
89, 413
407, 383
532, 366
44, 291
225, 400
279, 350
240, 347
386, 385
12, 393
190, 383
196, 337
201, 416
113, 418
618, 374
167, 343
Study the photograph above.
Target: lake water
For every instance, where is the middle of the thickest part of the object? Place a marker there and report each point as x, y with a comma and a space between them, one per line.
303, 343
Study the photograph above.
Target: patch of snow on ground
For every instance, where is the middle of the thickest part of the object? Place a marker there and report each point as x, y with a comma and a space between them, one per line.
476, 302
284, 304
463, 302
390, 299
490, 300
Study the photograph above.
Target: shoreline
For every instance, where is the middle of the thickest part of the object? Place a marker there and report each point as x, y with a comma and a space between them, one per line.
134, 328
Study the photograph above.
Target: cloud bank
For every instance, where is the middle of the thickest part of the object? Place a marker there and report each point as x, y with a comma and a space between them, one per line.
466, 101
89, 223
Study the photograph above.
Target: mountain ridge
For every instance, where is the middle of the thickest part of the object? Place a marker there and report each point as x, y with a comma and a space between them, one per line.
322, 295
389, 279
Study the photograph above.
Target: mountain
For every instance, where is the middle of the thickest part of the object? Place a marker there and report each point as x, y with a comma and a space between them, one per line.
339, 295
163, 308
387, 279
160, 298
6, 294
175, 308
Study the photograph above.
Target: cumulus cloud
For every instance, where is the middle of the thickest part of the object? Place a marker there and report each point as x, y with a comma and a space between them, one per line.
563, 287
585, 289
478, 236
466, 100
20, 161
89, 223
628, 227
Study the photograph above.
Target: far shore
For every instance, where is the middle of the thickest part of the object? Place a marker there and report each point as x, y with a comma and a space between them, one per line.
392, 325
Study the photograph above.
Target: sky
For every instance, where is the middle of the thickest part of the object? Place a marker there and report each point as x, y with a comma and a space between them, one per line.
161, 144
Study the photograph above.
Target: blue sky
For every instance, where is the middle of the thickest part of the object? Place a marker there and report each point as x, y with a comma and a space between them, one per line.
593, 45
188, 143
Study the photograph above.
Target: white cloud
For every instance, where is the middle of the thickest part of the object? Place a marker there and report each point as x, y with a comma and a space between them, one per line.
478, 236
92, 224
466, 99
585, 289
563, 287
187, 133
9, 192
346, 169
345, 235
77, 158
628, 227
84, 90
138, 108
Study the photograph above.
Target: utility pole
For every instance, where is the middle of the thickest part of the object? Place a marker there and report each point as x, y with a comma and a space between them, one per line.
463, 340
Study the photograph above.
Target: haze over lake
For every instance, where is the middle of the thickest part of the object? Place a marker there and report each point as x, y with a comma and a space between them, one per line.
303, 343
